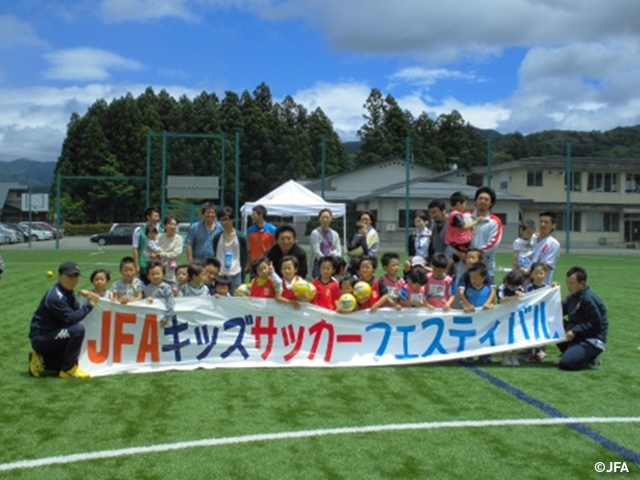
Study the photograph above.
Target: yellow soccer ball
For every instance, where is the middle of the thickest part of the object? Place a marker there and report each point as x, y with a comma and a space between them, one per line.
301, 289
362, 291
312, 292
243, 290
347, 303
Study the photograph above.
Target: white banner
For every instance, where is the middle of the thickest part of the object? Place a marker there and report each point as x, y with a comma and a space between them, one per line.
251, 332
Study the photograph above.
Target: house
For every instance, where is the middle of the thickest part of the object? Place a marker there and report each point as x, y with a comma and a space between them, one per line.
603, 201
382, 189
11, 201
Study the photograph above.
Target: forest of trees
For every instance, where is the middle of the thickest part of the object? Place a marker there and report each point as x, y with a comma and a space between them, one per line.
278, 142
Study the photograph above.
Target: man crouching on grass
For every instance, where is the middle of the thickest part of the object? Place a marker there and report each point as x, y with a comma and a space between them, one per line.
56, 333
586, 325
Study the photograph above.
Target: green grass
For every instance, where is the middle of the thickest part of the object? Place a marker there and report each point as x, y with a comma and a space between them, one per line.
49, 416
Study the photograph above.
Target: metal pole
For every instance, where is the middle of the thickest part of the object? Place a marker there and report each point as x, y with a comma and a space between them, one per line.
324, 160
237, 155
148, 190
567, 215
407, 195
58, 193
489, 163
30, 215
222, 174
163, 193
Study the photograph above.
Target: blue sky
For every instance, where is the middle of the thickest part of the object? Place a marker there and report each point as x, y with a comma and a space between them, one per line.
517, 65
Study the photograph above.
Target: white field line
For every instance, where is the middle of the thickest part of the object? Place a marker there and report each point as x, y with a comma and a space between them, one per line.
262, 437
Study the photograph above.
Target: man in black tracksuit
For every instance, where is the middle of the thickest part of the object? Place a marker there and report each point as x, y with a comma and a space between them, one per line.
56, 333
586, 324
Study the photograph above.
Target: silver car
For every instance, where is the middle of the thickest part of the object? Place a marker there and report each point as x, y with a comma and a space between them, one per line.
14, 237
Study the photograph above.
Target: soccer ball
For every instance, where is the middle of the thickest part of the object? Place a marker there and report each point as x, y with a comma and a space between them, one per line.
243, 290
347, 303
312, 292
362, 291
301, 289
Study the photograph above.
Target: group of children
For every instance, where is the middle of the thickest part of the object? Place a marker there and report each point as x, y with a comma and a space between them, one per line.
418, 286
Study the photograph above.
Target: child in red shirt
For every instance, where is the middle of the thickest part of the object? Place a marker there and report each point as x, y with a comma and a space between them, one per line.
379, 293
265, 284
327, 287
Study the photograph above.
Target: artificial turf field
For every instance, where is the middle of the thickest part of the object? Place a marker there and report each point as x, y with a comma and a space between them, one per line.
424, 421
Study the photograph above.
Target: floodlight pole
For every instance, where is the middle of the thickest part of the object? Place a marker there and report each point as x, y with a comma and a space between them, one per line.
489, 163
323, 154
223, 161
148, 189
164, 175
407, 195
237, 162
567, 215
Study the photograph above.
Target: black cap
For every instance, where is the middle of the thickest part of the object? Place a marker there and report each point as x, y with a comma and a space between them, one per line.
70, 269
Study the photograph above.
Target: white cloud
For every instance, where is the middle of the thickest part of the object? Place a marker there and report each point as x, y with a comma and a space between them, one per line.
341, 102
344, 102
143, 10
33, 120
86, 64
426, 77
15, 32
449, 30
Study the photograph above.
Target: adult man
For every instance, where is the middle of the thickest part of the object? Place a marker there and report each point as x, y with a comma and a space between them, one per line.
56, 333
200, 236
547, 249
139, 240
260, 235
488, 233
586, 325
437, 212
286, 245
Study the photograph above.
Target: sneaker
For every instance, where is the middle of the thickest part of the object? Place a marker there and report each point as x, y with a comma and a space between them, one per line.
506, 361
596, 363
36, 364
74, 372
514, 361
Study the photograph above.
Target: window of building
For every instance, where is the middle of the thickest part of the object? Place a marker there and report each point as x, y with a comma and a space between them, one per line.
632, 184
402, 218
603, 222
602, 182
504, 186
574, 181
534, 178
575, 220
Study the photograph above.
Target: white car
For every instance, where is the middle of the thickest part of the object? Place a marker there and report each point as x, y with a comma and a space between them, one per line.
35, 234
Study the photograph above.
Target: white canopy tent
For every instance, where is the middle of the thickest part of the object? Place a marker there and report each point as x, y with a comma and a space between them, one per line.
292, 199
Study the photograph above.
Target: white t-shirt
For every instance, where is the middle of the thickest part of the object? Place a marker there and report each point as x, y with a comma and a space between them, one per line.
524, 248
547, 251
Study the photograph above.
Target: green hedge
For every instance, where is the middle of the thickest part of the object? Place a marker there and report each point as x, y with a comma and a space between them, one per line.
85, 229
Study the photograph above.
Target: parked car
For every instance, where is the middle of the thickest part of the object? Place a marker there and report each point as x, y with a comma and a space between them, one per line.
36, 234
3, 239
45, 226
120, 234
11, 234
